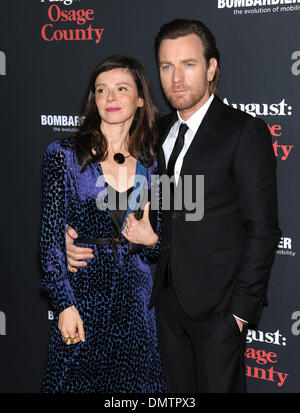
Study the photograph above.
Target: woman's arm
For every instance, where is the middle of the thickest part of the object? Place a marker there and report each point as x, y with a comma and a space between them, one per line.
53, 247
52, 242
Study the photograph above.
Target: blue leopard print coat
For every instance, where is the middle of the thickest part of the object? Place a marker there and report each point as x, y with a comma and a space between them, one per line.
121, 352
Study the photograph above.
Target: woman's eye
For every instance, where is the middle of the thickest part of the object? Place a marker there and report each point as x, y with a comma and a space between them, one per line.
122, 89
100, 90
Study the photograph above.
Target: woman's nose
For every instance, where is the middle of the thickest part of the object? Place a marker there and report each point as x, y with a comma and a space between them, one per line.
111, 95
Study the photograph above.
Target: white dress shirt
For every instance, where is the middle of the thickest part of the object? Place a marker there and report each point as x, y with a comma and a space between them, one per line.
193, 124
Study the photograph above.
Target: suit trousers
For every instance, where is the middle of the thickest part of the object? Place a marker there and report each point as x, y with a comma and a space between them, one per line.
205, 356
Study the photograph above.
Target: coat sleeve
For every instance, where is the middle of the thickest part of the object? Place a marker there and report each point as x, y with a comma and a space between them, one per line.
255, 174
54, 217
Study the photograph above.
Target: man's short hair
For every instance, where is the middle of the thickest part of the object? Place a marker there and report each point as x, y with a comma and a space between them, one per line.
182, 27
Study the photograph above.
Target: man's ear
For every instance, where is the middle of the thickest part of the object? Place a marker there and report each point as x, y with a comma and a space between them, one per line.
212, 66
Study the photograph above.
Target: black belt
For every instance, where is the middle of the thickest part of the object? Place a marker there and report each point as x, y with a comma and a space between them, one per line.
111, 241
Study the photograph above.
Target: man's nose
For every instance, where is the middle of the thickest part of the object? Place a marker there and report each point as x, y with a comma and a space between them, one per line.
177, 75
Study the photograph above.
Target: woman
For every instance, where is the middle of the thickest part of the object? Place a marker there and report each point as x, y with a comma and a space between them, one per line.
103, 338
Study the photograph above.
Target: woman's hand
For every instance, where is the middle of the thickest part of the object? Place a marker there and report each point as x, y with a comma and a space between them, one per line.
140, 231
71, 326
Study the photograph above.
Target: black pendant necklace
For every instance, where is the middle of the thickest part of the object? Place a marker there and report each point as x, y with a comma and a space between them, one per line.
120, 158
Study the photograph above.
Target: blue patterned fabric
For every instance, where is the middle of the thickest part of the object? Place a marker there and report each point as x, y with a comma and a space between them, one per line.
120, 353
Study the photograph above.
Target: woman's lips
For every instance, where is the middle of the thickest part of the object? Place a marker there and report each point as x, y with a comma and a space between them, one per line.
112, 109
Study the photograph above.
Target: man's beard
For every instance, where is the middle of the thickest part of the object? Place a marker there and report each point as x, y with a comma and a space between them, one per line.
185, 102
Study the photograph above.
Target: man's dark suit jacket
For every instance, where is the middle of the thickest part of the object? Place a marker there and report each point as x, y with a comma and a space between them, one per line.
223, 261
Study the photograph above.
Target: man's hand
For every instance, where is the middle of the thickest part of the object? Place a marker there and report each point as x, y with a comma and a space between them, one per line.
140, 231
71, 326
76, 255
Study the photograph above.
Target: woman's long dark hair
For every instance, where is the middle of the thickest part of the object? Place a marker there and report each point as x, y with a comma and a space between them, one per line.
143, 131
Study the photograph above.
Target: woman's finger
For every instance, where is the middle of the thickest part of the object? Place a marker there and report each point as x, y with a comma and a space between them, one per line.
80, 331
66, 340
130, 216
131, 219
71, 335
127, 223
124, 234
64, 335
71, 339
74, 340
146, 212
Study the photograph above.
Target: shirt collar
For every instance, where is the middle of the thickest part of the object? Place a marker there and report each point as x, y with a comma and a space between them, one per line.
195, 120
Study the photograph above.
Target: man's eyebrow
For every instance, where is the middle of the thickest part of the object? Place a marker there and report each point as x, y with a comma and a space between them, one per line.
165, 62
188, 60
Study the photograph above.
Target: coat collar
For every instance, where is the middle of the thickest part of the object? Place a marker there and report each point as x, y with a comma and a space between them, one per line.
140, 181
166, 125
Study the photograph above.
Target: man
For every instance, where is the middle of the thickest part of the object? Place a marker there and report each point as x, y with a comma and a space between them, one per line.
212, 274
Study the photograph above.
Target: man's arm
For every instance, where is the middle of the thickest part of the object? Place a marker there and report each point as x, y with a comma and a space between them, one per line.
255, 174
76, 255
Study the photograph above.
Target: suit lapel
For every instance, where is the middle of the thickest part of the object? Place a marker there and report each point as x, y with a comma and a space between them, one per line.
208, 124
164, 131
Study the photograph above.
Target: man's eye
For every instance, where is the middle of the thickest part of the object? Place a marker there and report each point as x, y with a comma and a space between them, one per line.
166, 67
190, 64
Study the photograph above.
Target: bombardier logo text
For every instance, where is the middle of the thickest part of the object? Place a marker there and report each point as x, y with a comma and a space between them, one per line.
229, 4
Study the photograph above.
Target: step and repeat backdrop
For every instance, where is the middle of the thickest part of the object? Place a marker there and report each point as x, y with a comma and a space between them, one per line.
47, 51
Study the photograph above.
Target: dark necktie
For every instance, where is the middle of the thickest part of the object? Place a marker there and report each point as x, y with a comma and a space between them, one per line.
177, 149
